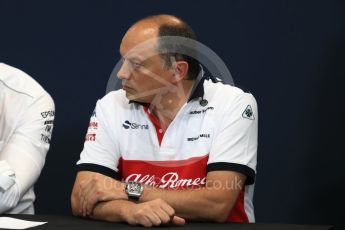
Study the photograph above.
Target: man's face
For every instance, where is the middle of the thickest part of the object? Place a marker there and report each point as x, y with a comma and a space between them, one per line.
143, 74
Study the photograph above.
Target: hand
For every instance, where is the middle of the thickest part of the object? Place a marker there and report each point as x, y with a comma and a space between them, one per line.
152, 213
96, 189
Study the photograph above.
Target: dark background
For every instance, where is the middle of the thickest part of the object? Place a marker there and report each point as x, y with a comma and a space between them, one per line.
289, 54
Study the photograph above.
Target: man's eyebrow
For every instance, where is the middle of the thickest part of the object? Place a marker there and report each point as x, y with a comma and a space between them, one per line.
132, 58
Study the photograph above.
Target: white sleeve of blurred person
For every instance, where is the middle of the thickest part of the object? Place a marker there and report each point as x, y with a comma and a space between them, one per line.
26, 123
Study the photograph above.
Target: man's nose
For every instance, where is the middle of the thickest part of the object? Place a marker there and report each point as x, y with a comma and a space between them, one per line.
124, 72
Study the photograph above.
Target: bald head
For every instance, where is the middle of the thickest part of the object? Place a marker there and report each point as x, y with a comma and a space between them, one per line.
161, 19
150, 27
157, 26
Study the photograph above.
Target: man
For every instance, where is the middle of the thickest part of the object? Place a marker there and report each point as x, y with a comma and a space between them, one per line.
185, 148
26, 124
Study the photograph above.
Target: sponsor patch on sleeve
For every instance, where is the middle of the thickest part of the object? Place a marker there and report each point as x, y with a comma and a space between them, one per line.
248, 113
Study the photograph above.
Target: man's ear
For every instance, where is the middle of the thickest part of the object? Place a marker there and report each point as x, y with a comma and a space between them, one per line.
180, 71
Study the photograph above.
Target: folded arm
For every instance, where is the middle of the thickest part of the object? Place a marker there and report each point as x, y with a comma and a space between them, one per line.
101, 197
23, 155
212, 202
111, 205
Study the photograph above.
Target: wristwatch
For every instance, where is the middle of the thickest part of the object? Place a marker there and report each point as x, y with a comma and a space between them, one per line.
134, 190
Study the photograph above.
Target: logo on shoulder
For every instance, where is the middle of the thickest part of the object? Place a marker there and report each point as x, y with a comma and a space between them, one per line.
46, 114
132, 125
248, 113
90, 137
45, 139
49, 122
93, 125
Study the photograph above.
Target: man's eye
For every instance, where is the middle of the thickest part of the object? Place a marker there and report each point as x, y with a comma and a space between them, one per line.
136, 64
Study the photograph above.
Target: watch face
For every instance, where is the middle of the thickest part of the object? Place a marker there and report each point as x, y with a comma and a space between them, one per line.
134, 188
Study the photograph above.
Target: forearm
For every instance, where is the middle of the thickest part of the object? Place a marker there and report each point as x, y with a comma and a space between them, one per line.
113, 211
106, 208
148, 214
9, 189
192, 204
25, 159
9, 198
212, 202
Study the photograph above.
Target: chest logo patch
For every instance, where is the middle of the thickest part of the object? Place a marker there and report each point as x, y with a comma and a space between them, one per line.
131, 125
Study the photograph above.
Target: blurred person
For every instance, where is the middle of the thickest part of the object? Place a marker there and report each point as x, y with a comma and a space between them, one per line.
26, 124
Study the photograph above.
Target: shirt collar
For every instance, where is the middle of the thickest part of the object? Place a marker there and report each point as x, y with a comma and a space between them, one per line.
198, 88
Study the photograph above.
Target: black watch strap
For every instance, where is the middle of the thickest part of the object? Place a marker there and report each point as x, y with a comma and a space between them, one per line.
133, 198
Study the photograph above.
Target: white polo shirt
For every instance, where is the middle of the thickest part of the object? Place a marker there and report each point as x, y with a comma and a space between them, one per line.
26, 123
216, 130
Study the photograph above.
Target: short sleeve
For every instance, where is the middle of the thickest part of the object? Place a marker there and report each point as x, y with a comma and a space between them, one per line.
101, 150
235, 145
